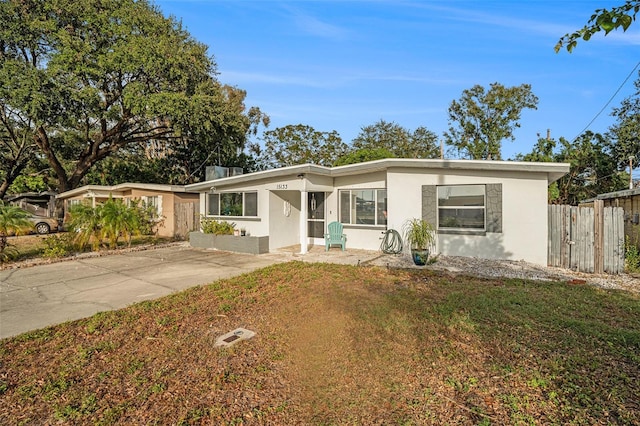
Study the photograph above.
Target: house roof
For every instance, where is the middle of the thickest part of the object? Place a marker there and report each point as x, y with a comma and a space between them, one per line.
122, 187
554, 171
30, 195
616, 194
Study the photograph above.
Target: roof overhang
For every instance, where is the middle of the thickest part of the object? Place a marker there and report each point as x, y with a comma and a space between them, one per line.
101, 189
553, 171
616, 194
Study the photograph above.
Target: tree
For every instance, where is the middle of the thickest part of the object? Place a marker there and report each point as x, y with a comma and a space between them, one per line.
602, 20
593, 170
363, 154
625, 133
220, 142
300, 144
85, 79
397, 140
481, 119
16, 149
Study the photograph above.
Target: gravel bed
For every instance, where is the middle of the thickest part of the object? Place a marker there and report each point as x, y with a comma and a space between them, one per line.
513, 269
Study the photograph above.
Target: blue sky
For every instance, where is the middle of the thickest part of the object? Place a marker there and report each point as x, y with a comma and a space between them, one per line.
343, 65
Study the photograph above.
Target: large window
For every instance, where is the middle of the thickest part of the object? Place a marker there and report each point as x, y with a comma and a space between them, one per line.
461, 207
233, 204
363, 206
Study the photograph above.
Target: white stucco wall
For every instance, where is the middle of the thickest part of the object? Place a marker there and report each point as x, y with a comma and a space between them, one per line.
272, 193
284, 219
524, 209
524, 213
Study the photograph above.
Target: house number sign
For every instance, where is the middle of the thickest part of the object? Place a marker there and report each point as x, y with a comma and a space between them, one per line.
281, 186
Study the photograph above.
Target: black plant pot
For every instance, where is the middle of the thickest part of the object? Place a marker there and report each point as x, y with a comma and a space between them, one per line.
420, 257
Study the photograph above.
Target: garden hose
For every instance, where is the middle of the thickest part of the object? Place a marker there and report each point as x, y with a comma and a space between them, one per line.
391, 242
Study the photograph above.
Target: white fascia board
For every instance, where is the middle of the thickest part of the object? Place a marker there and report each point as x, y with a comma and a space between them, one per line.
265, 174
554, 171
81, 190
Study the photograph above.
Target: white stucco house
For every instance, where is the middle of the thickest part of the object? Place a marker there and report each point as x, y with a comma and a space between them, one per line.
486, 209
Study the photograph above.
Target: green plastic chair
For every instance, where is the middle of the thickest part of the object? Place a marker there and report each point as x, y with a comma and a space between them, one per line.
334, 236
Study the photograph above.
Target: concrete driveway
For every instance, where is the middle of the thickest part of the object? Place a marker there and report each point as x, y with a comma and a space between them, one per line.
39, 296
43, 295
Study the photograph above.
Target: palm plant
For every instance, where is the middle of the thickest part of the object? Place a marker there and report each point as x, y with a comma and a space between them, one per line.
420, 236
118, 219
85, 223
13, 220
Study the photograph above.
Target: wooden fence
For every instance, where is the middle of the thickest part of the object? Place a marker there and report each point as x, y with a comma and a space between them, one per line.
187, 219
587, 239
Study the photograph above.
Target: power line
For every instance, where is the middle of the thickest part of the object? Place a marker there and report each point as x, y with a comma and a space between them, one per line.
609, 101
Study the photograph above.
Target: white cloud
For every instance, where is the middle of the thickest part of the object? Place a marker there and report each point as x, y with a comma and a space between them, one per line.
310, 25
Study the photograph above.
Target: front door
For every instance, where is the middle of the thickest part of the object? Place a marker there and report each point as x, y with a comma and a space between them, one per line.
315, 217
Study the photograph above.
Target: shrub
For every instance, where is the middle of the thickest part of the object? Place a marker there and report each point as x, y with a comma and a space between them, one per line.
147, 217
110, 220
85, 225
216, 227
119, 220
13, 220
57, 246
632, 252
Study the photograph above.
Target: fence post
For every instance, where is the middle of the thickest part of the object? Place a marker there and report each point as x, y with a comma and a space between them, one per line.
598, 236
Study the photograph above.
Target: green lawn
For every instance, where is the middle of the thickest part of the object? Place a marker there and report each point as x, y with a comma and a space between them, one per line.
338, 345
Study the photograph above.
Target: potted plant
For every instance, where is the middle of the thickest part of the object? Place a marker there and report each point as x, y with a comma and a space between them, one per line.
420, 237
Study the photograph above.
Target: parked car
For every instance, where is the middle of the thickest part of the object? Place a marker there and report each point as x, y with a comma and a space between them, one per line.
43, 224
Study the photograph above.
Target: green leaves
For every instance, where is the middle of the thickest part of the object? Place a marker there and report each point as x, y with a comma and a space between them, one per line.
110, 220
625, 132
397, 140
602, 20
301, 144
605, 21
594, 169
13, 220
481, 119
112, 76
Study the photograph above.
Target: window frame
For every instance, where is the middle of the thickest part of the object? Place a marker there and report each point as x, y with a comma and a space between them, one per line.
353, 221
483, 207
243, 204
154, 201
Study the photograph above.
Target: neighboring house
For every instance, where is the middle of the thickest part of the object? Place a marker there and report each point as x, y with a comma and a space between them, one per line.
487, 209
177, 209
629, 200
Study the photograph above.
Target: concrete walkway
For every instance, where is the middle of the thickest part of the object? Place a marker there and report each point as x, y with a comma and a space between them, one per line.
38, 296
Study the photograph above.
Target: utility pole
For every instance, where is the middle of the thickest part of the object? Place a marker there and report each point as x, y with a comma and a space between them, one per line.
631, 158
